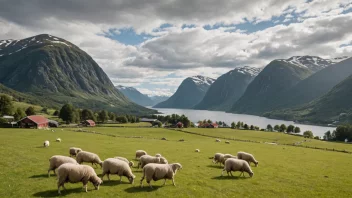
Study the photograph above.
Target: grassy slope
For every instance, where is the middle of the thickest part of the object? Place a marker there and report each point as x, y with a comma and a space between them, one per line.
283, 171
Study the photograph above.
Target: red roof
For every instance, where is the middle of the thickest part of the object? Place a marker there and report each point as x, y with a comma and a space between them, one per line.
214, 124
179, 123
38, 119
91, 122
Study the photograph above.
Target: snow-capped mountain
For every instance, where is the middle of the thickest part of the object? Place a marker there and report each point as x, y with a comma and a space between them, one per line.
313, 63
135, 96
189, 93
228, 88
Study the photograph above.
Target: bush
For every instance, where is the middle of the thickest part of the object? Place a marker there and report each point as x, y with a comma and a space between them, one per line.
308, 134
30, 111
317, 137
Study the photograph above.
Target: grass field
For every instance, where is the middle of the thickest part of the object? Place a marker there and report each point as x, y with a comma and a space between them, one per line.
283, 171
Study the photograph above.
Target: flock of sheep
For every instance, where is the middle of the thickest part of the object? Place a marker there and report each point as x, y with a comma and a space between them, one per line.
154, 167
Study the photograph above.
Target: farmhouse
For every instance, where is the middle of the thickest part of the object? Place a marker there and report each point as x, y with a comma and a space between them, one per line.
34, 121
89, 123
179, 125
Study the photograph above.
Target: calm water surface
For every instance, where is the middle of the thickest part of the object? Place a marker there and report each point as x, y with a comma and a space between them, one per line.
262, 122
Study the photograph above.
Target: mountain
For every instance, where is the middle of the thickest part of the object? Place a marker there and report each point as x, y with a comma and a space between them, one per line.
228, 88
272, 81
315, 85
189, 93
158, 99
313, 63
49, 67
135, 96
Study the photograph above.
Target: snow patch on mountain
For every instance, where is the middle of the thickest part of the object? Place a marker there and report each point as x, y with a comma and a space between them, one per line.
202, 80
314, 63
252, 71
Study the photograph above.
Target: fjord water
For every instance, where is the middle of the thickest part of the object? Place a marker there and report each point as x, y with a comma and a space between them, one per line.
262, 122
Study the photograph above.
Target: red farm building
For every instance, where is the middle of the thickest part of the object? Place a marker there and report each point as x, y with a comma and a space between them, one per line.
34, 121
89, 123
179, 125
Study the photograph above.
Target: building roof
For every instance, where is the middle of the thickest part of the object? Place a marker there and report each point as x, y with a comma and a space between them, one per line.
7, 117
179, 123
90, 121
148, 120
214, 124
38, 119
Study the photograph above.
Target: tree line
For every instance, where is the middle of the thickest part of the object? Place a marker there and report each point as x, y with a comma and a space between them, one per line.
171, 120
342, 133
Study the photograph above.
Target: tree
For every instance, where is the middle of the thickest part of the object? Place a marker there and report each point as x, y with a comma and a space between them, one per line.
103, 116
67, 113
6, 105
327, 135
238, 125
308, 134
256, 128
124, 119
290, 128
209, 121
252, 127
112, 116
88, 114
30, 111
297, 130
283, 128
77, 116
56, 113
220, 122
233, 125
317, 137
269, 127
137, 120
246, 126
19, 114
157, 123
45, 110
276, 127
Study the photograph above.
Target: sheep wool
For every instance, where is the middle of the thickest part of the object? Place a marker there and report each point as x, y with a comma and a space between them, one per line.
237, 165
158, 155
147, 159
130, 163
57, 160
140, 153
58, 140
247, 157
160, 171
85, 156
217, 140
74, 151
118, 167
219, 158
197, 150
74, 173
46, 143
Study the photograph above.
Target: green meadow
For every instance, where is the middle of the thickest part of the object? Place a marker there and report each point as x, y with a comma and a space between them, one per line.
283, 171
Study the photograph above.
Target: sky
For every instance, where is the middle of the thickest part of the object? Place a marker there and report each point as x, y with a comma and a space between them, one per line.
155, 44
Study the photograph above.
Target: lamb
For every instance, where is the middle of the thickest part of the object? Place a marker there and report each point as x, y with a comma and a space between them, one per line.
158, 155
74, 151
85, 156
46, 143
140, 153
58, 140
160, 171
58, 160
146, 159
130, 163
197, 150
217, 140
77, 173
247, 157
218, 158
118, 167
237, 165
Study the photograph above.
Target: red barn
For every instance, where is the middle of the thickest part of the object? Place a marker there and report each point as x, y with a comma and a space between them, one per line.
179, 125
34, 121
213, 125
89, 123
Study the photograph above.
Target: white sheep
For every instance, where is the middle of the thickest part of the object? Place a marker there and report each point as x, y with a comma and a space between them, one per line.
146, 159
197, 150
160, 171
46, 143
217, 140
218, 158
247, 157
74, 151
130, 163
140, 153
118, 167
227, 142
237, 165
158, 155
89, 157
58, 140
77, 173
226, 156
57, 160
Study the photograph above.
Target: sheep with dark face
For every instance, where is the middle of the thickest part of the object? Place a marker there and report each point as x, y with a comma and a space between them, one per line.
160, 171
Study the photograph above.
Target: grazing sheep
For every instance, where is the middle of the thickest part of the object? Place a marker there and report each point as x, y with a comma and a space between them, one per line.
163, 138
130, 163
227, 142
147, 159
237, 165
77, 173
218, 158
197, 150
118, 167
46, 143
74, 151
158, 155
58, 160
247, 157
140, 153
85, 156
58, 140
181, 140
217, 140
160, 171
52, 130
227, 156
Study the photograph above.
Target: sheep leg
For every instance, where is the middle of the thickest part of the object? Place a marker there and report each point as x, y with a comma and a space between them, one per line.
85, 187
49, 173
150, 184
108, 177
230, 173
173, 181
120, 178
164, 182
142, 182
222, 173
